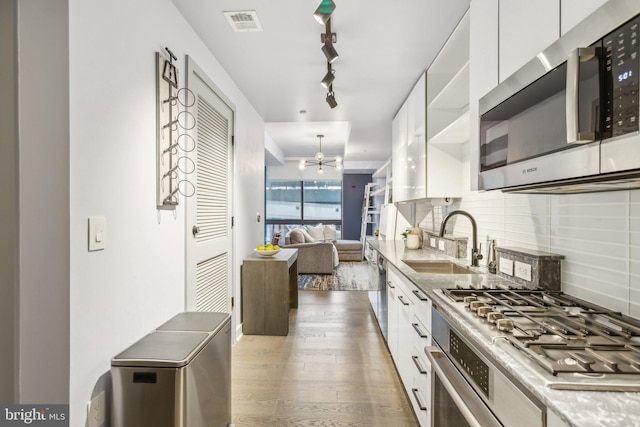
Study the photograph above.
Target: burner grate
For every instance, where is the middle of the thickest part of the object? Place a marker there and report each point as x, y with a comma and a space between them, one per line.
560, 333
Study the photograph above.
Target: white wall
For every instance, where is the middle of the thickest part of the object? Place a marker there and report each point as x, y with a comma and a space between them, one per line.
120, 294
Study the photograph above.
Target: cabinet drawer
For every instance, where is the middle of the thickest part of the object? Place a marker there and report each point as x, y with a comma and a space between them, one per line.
421, 402
421, 306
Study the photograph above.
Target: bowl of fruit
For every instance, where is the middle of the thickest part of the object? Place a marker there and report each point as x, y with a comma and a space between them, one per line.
267, 250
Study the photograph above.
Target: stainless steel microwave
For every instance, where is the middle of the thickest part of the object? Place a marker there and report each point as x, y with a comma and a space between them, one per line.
568, 120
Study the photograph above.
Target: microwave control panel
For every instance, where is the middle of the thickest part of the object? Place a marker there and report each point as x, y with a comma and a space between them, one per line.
622, 62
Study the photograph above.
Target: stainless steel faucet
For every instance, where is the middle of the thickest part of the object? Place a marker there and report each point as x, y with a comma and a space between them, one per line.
475, 250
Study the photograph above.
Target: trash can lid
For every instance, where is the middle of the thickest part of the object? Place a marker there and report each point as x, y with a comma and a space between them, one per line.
195, 321
163, 349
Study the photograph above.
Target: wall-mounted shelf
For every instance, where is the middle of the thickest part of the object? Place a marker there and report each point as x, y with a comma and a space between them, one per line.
457, 132
455, 93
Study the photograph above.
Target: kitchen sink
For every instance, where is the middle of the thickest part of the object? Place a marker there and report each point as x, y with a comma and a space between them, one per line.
437, 267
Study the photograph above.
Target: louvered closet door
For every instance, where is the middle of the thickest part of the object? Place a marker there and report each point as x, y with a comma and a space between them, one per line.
209, 233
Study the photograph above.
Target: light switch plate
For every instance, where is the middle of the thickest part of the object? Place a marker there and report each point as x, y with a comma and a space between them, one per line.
506, 266
432, 242
97, 233
523, 271
441, 245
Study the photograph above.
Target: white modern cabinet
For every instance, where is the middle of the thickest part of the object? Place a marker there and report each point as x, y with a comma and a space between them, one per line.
448, 114
432, 125
574, 11
392, 315
410, 313
526, 28
399, 166
483, 71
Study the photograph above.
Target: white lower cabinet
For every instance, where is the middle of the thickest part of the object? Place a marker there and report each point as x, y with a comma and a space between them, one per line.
409, 311
405, 337
392, 317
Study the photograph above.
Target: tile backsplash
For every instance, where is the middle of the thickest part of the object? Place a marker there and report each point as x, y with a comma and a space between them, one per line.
598, 233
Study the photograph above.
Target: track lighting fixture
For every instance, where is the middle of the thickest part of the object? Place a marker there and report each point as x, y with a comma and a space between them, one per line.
323, 16
328, 39
324, 11
331, 98
328, 78
329, 52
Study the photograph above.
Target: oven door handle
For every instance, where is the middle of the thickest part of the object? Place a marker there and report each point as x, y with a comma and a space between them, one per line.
472, 408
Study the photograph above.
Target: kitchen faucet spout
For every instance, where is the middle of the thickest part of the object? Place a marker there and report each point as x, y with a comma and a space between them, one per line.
475, 250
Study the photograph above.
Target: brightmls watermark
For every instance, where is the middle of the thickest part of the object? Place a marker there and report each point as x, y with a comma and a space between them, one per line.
34, 415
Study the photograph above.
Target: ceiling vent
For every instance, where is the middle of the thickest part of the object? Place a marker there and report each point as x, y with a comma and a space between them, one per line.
243, 21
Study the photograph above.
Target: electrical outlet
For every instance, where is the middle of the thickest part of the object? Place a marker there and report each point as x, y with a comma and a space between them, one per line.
432, 242
523, 271
441, 245
96, 411
506, 266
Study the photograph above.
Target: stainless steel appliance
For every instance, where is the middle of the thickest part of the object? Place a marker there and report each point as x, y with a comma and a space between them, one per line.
561, 342
568, 120
378, 296
178, 375
469, 389
571, 344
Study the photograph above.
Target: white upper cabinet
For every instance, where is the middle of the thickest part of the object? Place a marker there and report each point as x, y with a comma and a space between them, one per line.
483, 48
574, 11
433, 124
526, 28
483, 70
416, 131
399, 141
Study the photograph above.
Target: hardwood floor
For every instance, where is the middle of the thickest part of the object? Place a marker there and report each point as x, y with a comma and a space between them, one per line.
333, 369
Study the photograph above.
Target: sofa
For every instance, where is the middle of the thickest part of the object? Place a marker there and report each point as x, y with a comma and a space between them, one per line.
314, 258
349, 250
316, 254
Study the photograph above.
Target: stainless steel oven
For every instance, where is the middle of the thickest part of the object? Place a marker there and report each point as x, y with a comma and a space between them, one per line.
567, 121
468, 389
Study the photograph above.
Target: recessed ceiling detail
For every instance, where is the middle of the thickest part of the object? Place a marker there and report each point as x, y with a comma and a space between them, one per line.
243, 21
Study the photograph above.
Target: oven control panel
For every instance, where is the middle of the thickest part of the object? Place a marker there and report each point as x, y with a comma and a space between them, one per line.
476, 369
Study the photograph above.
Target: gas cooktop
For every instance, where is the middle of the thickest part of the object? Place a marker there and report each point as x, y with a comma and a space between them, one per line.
567, 337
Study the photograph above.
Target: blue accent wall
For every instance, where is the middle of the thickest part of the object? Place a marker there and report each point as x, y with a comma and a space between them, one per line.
352, 198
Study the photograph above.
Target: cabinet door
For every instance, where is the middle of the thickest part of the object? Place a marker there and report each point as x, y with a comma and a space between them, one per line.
405, 337
483, 49
399, 155
416, 140
574, 11
392, 317
483, 72
526, 28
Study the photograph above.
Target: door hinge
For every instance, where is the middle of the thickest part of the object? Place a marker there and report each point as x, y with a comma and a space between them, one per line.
233, 140
232, 221
233, 302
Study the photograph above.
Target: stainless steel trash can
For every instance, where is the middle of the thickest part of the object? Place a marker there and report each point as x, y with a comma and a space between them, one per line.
177, 376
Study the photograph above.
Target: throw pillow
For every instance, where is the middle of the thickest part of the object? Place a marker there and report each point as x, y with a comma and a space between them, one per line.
307, 236
296, 237
316, 231
330, 232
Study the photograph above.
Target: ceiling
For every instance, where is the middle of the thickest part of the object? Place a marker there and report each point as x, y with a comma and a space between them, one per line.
383, 48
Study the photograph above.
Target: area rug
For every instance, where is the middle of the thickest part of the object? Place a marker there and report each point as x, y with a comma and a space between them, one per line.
348, 276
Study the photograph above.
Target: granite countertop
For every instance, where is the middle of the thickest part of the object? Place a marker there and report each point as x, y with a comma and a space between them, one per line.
576, 408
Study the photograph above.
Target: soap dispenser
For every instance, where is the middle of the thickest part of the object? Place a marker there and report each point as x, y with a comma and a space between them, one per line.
491, 256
